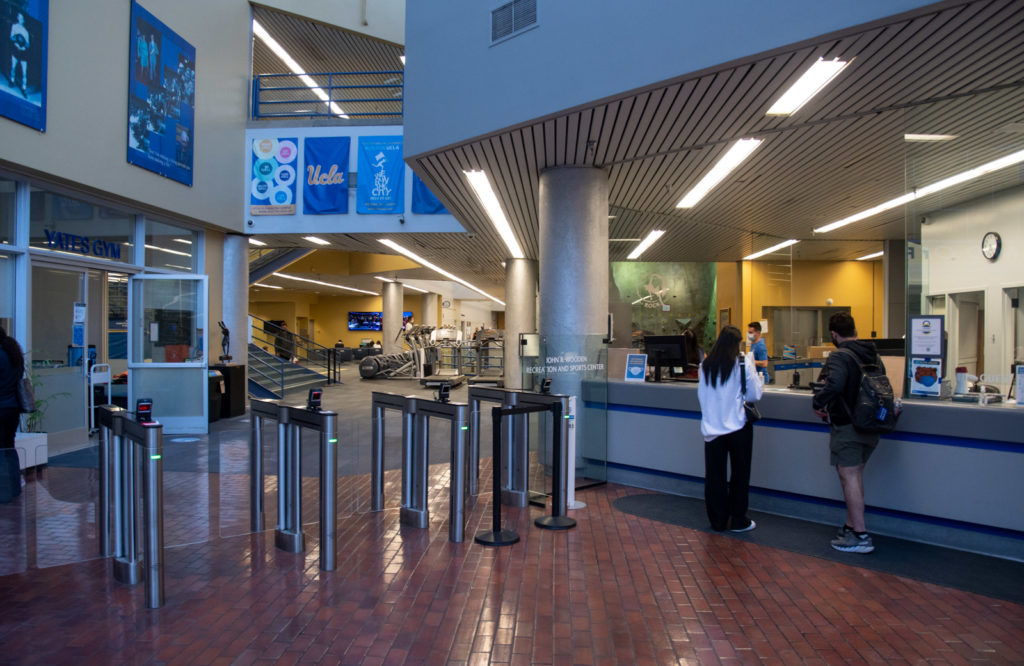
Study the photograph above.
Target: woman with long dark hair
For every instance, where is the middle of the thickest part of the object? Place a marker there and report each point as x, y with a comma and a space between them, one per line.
12, 368
728, 437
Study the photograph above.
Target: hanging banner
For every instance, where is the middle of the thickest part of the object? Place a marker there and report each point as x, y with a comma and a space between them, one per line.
272, 189
325, 189
161, 98
381, 171
23, 87
424, 201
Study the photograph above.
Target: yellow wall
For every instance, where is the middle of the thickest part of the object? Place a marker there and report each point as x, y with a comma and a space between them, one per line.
338, 262
729, 292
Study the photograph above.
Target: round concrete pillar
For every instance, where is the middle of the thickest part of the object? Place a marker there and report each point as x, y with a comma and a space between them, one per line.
520, 313
392, 317
234, 300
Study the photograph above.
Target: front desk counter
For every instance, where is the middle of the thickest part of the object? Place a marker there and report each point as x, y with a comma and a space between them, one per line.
951, 474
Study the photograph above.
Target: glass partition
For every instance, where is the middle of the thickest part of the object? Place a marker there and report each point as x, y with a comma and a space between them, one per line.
171, 247
65, 225
6, 211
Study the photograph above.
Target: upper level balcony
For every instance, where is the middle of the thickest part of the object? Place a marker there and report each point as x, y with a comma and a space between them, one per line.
371, 97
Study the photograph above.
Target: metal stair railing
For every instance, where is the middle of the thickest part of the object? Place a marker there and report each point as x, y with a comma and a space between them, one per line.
303, 351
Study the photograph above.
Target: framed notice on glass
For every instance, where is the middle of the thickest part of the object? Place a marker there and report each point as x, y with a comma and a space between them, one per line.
636, 367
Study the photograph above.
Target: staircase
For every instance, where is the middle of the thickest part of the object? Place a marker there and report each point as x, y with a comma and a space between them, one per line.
272, 377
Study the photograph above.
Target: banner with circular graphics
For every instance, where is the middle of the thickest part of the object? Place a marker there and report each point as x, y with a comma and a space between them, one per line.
272, 181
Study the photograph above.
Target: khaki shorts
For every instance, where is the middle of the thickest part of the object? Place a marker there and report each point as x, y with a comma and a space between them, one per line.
850, 448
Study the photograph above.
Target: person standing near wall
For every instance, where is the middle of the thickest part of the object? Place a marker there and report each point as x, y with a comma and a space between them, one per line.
833, 401
12, 368
759, 349
728, 437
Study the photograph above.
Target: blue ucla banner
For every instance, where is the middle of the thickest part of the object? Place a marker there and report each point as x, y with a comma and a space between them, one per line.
424, 201
326, 187
381, 174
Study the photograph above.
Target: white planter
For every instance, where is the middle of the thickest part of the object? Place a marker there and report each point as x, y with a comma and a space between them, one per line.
32, 448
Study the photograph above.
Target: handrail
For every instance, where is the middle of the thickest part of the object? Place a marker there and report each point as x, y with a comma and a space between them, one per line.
288, 96
307, 353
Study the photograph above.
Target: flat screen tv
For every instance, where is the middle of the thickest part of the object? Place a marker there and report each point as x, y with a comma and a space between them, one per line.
370, 321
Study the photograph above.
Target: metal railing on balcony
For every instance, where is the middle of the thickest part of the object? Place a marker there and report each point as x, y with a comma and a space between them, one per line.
356, 95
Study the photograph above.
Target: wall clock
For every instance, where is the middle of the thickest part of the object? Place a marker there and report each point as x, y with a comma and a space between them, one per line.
991, 244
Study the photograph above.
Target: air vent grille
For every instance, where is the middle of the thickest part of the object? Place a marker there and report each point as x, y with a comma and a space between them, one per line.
512, 17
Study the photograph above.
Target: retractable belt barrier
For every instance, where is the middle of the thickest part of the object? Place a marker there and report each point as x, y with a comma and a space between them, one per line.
515, 456
416, 414
288, 535
127, 450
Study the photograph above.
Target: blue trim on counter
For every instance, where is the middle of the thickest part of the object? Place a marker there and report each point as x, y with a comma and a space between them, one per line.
918, 438
807, 499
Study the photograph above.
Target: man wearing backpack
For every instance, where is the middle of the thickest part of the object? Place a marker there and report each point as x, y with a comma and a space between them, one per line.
835, 401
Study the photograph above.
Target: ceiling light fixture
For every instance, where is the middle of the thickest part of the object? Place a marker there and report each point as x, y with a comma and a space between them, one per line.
407, 286
807, 86
257, 243
645, 243
318, 241
423, 262
917, 138
402, 58
382, 279
773, 248
970, 174
732, 158
623, 240
873, 255
268, 286
325, 284
287, 59
489, 200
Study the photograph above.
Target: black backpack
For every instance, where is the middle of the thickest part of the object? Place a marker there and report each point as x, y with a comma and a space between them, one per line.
874, 410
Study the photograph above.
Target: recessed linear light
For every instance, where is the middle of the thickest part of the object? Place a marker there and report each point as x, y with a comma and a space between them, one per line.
970, 174
423, 262
287, 59
916, 138
402, 58
773, 248
182, 240
318, 241
325, 284
732, 158
807, 86
407, 286
645, 243
484, 192
268, 286
258, 243
164, 249
873, 255
623, 240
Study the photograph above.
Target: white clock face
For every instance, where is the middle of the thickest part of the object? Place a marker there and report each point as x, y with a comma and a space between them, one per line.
990, 246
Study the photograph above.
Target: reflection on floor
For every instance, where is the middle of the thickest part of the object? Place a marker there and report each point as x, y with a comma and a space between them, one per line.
616, 589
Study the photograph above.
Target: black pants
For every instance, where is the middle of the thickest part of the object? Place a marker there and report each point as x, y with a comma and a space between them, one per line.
8, 424
727, 499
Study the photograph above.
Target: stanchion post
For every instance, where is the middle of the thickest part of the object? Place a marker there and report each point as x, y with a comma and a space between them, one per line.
557, 520
457, 489
153, 514
329, 491
497, 536
377, 459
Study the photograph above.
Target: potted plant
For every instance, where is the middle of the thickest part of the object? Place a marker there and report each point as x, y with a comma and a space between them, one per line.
31, 442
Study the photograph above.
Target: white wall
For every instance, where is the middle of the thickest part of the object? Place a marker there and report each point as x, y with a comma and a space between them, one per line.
458, 86
85, 143
954, 264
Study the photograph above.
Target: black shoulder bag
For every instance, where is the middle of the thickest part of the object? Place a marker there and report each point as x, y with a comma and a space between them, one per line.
749, 408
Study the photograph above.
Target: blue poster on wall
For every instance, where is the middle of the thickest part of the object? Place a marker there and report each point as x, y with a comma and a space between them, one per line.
424, 201
161, 98
381, 173
23, 86
272, 184
326, 186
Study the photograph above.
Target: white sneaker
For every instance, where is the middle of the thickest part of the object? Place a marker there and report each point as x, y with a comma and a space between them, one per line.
749, 527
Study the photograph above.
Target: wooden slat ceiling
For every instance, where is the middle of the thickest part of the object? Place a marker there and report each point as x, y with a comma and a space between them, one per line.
956, 69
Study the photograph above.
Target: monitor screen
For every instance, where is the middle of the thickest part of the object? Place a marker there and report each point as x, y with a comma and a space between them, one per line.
370, 321
667, 351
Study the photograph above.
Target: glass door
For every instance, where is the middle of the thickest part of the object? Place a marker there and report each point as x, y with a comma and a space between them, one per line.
167, 343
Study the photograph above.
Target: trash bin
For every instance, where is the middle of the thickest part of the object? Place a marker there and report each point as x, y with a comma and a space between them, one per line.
215, 391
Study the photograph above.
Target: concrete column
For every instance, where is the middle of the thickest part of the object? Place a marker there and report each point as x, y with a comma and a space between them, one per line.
573, 266
428, 305
520, 313
392, 317
234, 301
894, 290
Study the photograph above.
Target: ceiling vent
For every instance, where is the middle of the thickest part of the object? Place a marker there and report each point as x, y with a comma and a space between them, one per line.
512, 18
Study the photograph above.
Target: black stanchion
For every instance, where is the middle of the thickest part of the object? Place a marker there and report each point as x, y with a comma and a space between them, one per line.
557, 520
497, 536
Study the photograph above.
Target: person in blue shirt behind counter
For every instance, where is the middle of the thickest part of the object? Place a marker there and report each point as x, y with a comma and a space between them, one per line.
758, 348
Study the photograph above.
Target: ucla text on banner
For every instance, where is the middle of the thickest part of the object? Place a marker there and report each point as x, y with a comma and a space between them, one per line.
325, 188
381, 173
161, 98
424, 201
272, 189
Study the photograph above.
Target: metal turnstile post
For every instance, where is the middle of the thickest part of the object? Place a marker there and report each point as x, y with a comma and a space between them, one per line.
153, 514
329, 492
257, 513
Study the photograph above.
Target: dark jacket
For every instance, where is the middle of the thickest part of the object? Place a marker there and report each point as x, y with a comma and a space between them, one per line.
9, 378
841, 379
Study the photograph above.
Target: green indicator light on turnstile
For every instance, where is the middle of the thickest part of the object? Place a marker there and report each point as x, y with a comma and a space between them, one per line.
156, 457
465, 428
333, 440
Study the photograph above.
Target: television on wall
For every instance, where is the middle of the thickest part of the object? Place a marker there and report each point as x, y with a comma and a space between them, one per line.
370, 321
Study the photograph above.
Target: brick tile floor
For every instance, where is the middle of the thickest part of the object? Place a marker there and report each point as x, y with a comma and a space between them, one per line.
617, 589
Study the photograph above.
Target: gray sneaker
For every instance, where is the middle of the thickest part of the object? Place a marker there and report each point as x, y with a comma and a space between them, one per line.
843, 531
849, 542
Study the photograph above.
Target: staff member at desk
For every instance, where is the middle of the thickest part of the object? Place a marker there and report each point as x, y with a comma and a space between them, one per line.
758, 348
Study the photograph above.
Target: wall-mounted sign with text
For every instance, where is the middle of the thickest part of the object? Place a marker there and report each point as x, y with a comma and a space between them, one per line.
272, 188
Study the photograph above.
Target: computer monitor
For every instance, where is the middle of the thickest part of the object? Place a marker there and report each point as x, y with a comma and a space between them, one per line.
667, 351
